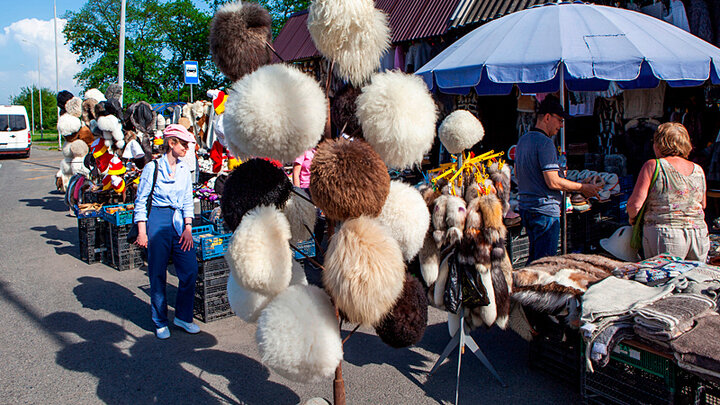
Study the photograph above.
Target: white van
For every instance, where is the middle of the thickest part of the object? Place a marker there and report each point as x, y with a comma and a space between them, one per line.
15, 136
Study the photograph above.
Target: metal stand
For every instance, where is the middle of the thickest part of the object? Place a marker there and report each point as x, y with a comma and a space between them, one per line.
461, 339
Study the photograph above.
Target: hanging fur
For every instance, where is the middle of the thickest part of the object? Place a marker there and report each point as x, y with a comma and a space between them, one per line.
95, 94
74, 107
429, 259
397, 115
258, 254
277, 112
88, 110
487, 313
253, 183
352, 33
300, 213
343, 108
240, 34
405, 324
437, 291
438, 219
455, 214
460, 130
407, 216
68, 124
364, 270
298, 335
348, 179
502, 296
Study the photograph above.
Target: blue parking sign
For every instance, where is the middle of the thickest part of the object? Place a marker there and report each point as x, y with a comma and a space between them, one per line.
192, 75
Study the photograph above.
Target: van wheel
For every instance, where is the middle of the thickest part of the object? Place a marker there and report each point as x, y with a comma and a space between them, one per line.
27, 155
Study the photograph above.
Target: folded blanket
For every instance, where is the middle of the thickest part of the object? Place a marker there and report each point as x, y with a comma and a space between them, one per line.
671, 316
699, 348
614, 296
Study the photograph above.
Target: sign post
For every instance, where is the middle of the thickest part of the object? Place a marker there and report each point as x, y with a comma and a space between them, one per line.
192, 76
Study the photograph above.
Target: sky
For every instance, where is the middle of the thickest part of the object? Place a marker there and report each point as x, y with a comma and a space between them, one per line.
26, 33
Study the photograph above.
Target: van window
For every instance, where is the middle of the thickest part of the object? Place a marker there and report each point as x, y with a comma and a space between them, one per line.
12, 122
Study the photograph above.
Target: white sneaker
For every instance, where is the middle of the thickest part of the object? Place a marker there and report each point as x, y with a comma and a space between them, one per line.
162, 333
188, 326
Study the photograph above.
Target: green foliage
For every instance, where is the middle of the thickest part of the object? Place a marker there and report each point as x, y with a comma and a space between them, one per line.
159, 36
49, 106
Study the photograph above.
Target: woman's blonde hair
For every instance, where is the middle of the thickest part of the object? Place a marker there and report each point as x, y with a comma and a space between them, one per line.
672, 139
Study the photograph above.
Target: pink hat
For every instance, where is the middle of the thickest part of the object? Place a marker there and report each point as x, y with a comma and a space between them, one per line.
178, 131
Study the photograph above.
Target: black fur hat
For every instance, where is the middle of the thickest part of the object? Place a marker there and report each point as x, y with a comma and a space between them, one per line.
113, 107
342, 110
62, 98
405, 324
101, 110
239, 36
253, 183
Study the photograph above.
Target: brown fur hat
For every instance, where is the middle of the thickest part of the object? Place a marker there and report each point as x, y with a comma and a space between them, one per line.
405, 324
86, 135
239, 36
364, 270
342, 110
74, 107
88, 110
348, 179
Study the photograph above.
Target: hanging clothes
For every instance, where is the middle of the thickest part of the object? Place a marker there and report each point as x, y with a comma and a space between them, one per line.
417, 55
714, 7
699, 19
677, 15
387, 62
644, 103
582, 104
656, 10
399, 58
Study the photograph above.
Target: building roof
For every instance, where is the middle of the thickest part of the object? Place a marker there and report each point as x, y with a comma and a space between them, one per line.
409, 20
476, 12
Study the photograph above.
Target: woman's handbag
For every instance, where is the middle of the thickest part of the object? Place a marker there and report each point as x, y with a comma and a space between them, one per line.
637, 231
133, 233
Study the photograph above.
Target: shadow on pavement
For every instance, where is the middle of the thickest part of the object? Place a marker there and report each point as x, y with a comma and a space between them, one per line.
49, 203
97, 294
59, 237
142, 369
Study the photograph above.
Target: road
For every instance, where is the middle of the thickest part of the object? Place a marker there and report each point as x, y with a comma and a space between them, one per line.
82, 334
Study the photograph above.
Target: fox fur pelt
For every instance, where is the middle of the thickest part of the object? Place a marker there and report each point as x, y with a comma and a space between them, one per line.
240, 34
547, 284
253, 183
407, 216
364, 270
348, 179
405, 324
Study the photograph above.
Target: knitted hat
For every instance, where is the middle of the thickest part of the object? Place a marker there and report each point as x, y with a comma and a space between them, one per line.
116, 166
219, 102
101, 155
116, 183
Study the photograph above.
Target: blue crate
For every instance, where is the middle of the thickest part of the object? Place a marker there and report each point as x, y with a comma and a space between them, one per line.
86, 214
307, 247
118, 218
218, 225
210, 244
627, 183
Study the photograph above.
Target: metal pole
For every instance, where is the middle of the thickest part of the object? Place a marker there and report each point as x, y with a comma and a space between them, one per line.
32, 110
563, 209
121, 53
57, 76
191, 94
41, 122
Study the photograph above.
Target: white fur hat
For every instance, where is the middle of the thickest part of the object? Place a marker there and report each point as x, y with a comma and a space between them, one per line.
299, 213
259, 254
276, 112
298, 335
460, 130
78, 148
68, 124
108, 123
96, 94
248, 304
407, 216
364, 270
353, 33
397, 115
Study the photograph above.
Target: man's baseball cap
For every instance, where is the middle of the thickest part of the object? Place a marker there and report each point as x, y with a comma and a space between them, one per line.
551, 105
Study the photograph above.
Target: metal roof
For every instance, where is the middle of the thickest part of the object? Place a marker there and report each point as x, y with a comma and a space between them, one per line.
480, 11
409, 20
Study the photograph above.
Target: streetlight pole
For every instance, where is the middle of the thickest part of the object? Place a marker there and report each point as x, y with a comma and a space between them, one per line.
39, 88
57, 75
32, 108
121, 52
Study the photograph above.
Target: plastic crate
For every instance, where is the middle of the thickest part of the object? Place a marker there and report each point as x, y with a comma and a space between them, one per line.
627, 183
210, 244
87, 213
120, 254
213, 268
307, 247
207, 311
697, 390
205, 289
218, 225
91, 238
517, 246
652, 363
208, 205
118, 218
556, 349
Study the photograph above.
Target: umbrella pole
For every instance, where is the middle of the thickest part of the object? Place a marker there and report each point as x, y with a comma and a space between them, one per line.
563, 209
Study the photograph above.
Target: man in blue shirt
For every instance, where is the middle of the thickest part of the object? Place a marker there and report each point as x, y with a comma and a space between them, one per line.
539, 183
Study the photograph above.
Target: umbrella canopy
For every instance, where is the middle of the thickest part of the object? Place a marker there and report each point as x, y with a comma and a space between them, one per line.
593, 44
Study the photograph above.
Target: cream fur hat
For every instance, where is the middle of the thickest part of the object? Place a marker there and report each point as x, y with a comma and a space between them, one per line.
407, 217
460, 130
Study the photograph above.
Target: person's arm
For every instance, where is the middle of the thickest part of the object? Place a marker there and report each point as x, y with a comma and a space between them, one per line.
555, 182
296, 174
140, 212
188, 210
640, 192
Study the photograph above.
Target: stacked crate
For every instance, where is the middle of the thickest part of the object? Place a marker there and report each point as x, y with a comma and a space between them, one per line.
121, 254
211, 301
91, 236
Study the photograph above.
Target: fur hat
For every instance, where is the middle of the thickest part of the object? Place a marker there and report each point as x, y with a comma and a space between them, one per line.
298, 336
407, 216
253, 183
113, 107
95, 94
364, 270
348, 179
139, 117
100, 110
277, 112
74, 107
240, 33
460, 130
62, 98
88, 110
258, 254
343, 108
300, 213
405, 324
68, 124
114, 92
397, 115
78, 148
245, 303
354, 34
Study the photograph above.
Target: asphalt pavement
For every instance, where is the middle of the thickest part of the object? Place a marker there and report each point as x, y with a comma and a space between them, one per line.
73, 333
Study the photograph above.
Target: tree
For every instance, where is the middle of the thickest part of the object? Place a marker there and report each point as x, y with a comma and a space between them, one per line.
49, 106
